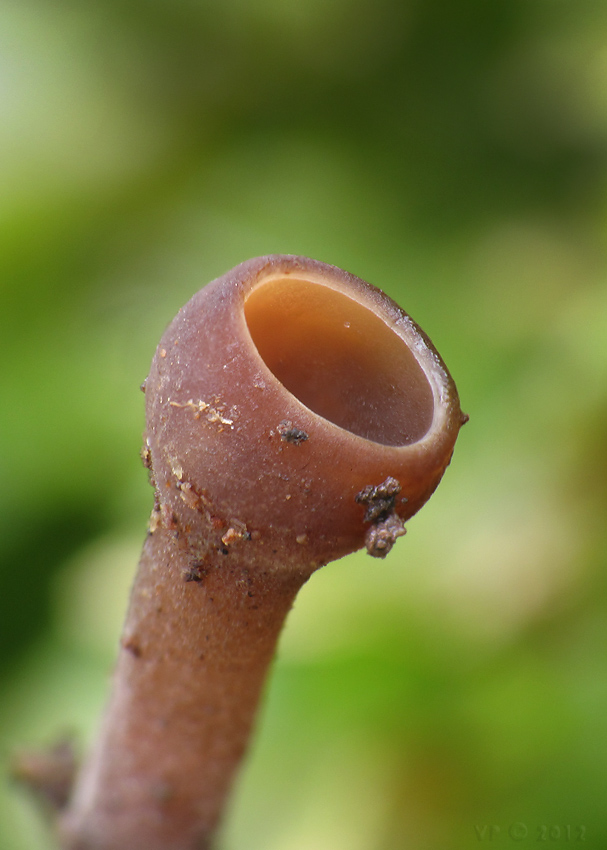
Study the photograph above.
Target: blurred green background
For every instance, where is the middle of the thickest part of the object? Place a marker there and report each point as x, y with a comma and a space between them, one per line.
453, 152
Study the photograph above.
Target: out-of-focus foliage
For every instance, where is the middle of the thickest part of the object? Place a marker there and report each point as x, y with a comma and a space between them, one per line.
455, 154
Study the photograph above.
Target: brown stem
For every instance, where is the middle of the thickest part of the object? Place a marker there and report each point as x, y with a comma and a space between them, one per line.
193, 660
294, 414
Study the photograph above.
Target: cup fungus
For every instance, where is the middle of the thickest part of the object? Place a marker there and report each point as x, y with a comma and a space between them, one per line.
294, 414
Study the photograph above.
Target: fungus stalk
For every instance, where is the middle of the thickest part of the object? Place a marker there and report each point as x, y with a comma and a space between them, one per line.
294, 414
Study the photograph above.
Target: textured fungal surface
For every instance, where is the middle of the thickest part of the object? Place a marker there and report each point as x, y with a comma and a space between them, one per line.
282, 390
294, 414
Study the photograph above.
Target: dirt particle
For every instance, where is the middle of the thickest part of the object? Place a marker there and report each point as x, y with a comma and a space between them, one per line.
235, 533
382, 535
133, 646
168, 518
155, 519
196, 571
192, 497
189, 496
48, 773
291, 434
380, 500
301, 539
386, 526
211, 413
146, 455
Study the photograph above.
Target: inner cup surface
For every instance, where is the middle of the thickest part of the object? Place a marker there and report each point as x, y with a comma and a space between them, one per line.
340, 360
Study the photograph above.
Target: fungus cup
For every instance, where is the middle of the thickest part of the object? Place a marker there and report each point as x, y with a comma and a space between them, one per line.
294, 414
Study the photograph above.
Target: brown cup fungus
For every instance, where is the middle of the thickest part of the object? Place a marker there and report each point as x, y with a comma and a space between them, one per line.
294, 414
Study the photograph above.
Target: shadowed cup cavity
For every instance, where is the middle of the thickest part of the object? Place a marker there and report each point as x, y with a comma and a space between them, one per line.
340, 360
